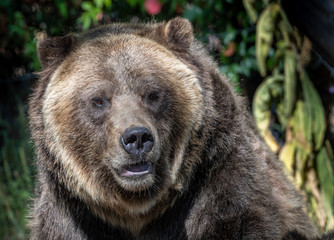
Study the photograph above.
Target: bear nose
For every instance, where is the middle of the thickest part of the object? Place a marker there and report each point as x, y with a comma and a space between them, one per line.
137, 140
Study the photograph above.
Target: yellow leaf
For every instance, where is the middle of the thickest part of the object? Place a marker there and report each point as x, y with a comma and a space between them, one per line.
287, 156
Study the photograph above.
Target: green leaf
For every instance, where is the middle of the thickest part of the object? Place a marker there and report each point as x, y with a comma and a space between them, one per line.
329, 149
251, 11
192, 12
300, 164
229, 36
285, 25
107, 4
87, 6
264, 35
290, 65
285, 29
263, 98
281, 47
17, 28
99, 4
302, 124
30, 52
134, 3
315, 111
85, 20
326, 177
62, 7
281, 114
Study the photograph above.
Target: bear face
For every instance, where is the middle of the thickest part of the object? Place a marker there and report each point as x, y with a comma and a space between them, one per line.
109, 115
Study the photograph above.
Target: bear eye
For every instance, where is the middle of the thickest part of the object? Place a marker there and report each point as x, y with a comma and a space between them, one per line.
153, 97
98, 102
156, 101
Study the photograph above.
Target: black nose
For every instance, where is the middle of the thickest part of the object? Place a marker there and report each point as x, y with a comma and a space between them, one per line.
137, 140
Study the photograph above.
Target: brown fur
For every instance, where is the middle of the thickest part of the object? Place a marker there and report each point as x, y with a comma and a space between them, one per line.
212, 178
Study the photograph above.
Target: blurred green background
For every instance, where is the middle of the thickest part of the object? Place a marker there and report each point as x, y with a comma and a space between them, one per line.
289, 88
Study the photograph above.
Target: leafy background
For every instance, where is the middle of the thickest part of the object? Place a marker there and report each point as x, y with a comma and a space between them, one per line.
290, 92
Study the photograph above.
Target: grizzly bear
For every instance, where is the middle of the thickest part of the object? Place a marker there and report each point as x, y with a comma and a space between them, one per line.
139, 136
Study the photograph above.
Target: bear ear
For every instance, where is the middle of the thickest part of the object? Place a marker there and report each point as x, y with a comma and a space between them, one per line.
52, 51
179, 32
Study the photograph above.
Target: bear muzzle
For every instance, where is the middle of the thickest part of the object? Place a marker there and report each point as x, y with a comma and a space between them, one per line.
137, 142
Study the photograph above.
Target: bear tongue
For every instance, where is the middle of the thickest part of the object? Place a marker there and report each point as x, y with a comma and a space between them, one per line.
137, 169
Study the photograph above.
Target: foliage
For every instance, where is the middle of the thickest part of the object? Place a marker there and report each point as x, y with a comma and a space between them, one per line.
92, 11
15, 176
288, 98
222, 24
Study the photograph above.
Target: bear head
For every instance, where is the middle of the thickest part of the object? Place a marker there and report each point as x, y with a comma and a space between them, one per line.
115, 114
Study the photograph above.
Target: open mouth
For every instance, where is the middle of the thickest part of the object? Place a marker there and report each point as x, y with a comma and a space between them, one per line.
138, 169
